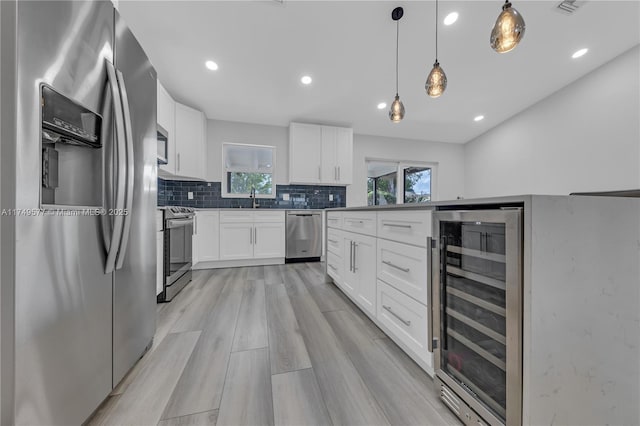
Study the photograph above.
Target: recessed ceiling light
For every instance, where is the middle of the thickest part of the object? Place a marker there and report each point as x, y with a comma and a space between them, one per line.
451, 18
211, 65
306, 79
579, 53
479, 118
382, 105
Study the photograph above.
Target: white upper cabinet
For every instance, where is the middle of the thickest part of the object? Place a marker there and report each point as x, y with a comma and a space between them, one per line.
304, 153
344, 155
320, 154
166, 118
187, 135
190, 139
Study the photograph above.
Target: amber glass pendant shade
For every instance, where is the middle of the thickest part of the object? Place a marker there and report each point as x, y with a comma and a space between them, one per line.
436, 81
508, 30
396, 113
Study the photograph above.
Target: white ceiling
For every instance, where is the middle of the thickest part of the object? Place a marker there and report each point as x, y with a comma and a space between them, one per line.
348, 47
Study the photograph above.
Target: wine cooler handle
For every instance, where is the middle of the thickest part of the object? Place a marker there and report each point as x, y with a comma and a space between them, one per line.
430, 242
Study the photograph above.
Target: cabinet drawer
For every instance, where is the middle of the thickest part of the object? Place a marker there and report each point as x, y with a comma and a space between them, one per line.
334, 267
404, 319
265, 216
334, 220
404, 267
360, 222
410, 227
334, 241
236, 216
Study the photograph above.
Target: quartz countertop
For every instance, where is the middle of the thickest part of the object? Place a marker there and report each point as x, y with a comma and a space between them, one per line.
257, 209
502, 201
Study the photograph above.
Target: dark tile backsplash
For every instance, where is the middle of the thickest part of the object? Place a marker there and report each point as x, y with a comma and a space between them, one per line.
208, 195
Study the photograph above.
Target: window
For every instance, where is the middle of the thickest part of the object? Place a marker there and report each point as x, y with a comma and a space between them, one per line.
382, 189
248, 167
397, 182
417, 184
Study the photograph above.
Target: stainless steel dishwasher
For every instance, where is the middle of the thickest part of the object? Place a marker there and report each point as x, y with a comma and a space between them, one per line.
304, 235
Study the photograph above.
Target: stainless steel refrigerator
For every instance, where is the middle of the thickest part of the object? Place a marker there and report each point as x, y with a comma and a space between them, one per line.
78, 189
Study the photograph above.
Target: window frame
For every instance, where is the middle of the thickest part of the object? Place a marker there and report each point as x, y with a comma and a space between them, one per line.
224, 187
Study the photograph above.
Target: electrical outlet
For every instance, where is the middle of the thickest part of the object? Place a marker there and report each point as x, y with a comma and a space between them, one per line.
330, 197
190, 195
285, 197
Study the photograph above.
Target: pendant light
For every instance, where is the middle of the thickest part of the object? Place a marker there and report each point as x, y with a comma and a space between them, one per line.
508, 30
396, 113
437, 80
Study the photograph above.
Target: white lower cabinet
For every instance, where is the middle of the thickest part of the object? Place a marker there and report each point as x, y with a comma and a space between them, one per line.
268, 240
405, 319
236, 241
206, 236
247, 235
359, 266
379, 260
335, 268
404, 267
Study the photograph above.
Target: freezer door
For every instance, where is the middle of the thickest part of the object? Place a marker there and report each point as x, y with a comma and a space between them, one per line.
63, 356
134, 297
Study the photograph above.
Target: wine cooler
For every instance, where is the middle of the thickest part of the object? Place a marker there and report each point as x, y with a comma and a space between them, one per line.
477, 314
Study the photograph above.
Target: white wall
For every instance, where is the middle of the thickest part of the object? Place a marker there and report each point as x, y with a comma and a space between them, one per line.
219, 132
585, 137
449, 179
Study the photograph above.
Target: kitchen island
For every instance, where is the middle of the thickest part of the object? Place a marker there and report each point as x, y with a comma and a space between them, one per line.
576, 335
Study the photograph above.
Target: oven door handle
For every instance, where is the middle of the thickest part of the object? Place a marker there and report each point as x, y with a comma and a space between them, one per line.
177, 223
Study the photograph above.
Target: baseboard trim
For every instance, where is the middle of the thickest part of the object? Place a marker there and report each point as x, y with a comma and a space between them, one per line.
238, 263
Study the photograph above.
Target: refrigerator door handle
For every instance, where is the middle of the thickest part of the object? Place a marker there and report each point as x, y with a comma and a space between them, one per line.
118, 223
130, 169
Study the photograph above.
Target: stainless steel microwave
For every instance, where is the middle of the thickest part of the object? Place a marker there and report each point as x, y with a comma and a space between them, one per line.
163, 145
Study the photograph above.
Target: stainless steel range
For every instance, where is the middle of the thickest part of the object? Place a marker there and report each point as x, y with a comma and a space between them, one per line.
178, 235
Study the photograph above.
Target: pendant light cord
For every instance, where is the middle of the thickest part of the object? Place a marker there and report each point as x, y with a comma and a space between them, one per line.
436, 30
397, 45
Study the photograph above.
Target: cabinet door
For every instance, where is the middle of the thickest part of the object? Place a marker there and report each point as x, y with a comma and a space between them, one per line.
364, 267
268, 240
207, 235
304, 153
344, 155
328, 151
166, 111
190, 149
349, 281
236, 241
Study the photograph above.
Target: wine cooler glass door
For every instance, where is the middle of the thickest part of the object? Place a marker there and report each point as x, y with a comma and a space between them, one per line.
478, 309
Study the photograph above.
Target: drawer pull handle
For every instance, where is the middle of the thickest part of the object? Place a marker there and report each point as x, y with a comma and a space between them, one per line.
333, 241
395, 225
386, 262
404, 321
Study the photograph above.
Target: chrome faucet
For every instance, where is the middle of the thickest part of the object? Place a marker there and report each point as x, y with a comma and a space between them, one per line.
252, 195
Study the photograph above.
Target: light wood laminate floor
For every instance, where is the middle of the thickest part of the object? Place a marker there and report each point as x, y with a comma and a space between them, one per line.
270, 345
